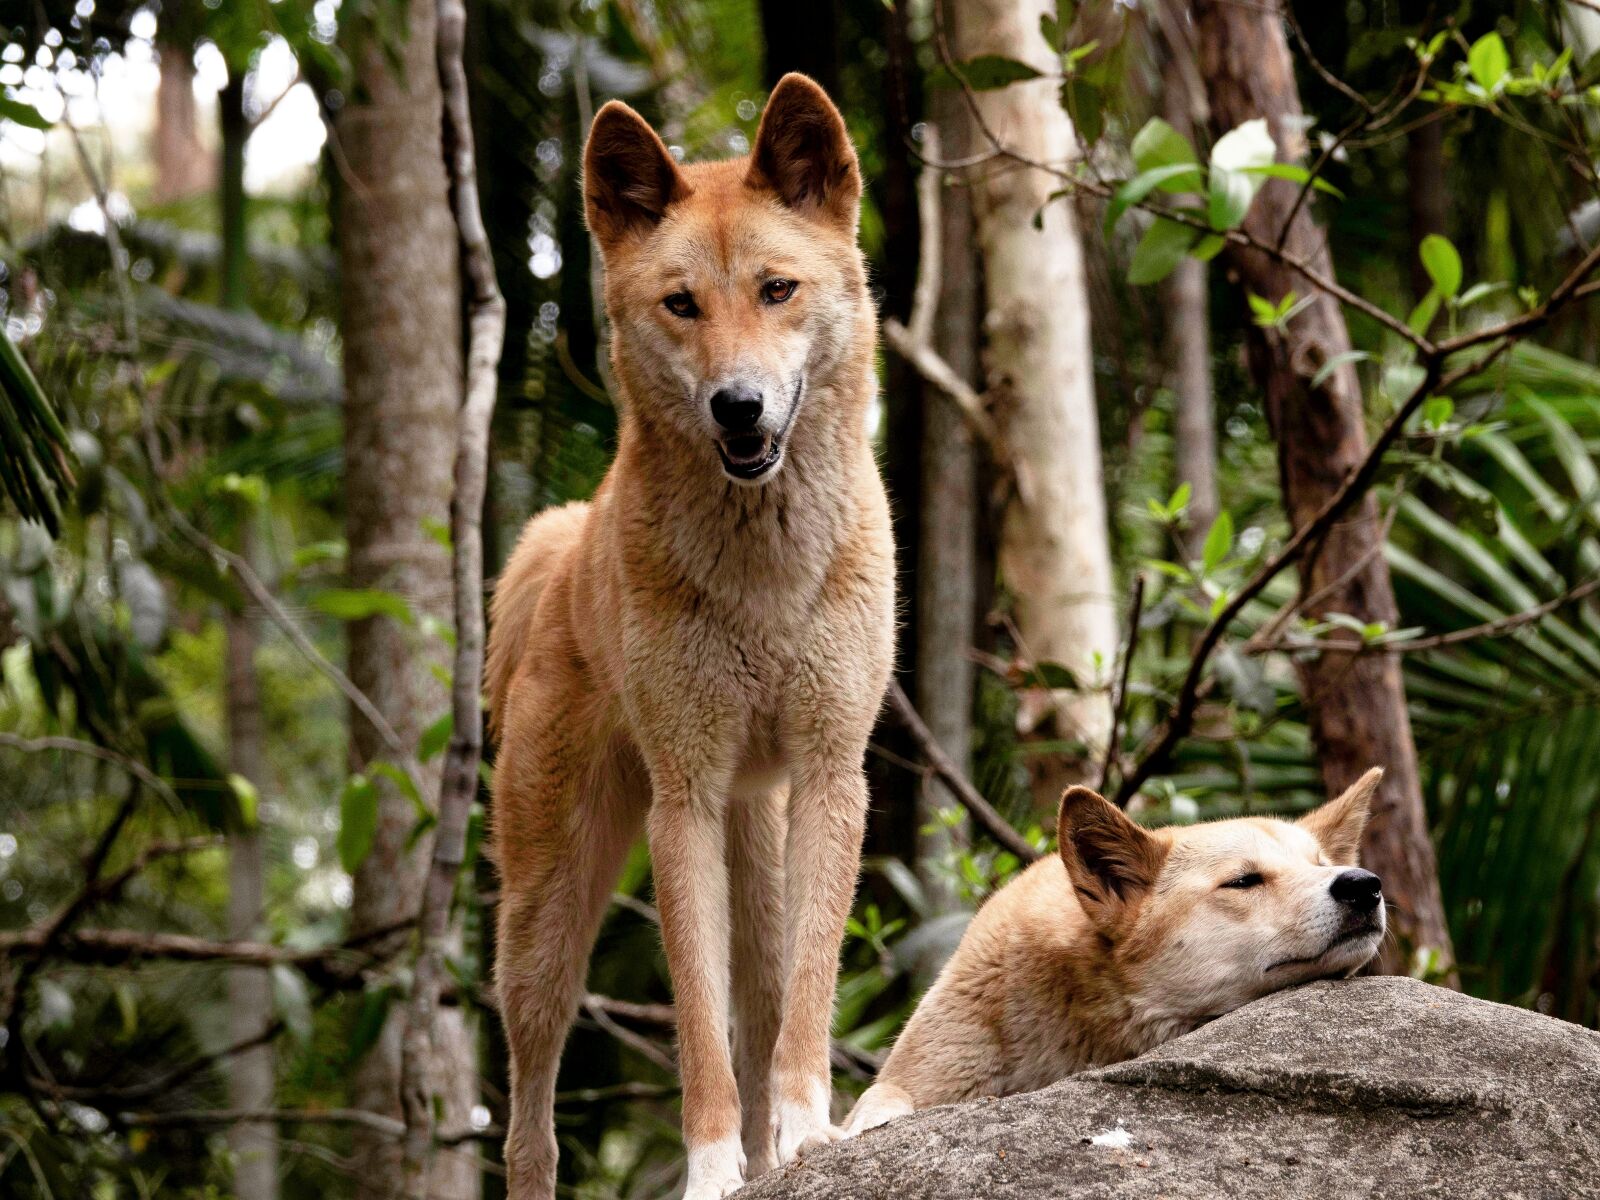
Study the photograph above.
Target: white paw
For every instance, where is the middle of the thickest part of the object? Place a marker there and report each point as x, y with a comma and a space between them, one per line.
878, 1106
716, 1169
803, 1127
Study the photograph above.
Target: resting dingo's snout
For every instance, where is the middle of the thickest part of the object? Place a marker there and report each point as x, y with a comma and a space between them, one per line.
728, 291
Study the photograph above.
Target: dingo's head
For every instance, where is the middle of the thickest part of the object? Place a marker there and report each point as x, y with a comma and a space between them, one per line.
1204, 918
734, 288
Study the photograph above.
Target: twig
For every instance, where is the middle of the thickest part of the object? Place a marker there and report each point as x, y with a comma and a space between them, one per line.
913, 341
70, 745
1119, 695
337, 966
941, 765
486, 312
1499, 627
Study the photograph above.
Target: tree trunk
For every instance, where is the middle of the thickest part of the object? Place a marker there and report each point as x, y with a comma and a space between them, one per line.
1188, 305
1054, 553
183, 165
947, 582
1356, 703
251, 1080
401, 322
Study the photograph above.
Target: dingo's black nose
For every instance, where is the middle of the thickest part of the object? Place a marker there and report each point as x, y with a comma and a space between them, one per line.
1361, 890
736, 408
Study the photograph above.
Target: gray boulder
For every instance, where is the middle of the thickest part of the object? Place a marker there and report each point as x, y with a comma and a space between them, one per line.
1376, 1087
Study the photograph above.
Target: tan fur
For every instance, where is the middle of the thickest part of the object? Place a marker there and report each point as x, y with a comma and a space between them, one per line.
700, 656
1123, 940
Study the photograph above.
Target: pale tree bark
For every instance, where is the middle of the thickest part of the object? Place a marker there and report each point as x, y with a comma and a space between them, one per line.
947, 579
401, 323
1355, 702
1054, 552
184, 166
251, 1079
1188, 306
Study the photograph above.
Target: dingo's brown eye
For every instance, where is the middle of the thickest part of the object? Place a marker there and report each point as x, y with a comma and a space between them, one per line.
681, 304
776, 291
1249, 879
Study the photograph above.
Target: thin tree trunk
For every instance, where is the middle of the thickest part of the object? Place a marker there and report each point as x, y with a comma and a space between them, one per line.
1055, 556
1356, 703
1189, 340
947, 581
251, 1079
183, 165
401, 320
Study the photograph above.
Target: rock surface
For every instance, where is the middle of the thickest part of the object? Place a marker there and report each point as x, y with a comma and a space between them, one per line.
1376, 1087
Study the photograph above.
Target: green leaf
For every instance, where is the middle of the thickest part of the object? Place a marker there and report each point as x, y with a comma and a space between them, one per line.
1142, 184
1422, 315
357, 604
375, 1004
1208, 246
1438, 410
22, 114
1180, 498
1488, 61
1082, 100
436, 737
1160, 250
407, 785
1480, 291
1053, 675
1160, 145
1229, 198
248, 799
1218, 542
1442, 262
986, 73
1334, 363
1295, 174
1261, 311
358, 821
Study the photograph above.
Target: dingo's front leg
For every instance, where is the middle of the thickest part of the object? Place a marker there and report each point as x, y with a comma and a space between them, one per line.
687, 851
827, 816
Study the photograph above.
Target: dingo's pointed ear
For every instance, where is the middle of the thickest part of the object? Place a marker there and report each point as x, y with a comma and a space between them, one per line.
803, 153
1337, 825
629, 178
1109, 858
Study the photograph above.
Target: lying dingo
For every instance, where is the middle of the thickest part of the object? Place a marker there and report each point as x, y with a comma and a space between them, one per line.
1128, 938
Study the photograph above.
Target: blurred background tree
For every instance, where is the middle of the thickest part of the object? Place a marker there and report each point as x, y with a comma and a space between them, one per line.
230, 365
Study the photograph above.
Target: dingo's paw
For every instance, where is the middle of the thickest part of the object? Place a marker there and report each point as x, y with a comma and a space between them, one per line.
880, 1104
716, 1169
803, 1127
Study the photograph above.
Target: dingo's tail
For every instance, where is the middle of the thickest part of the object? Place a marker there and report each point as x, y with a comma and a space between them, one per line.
543, 545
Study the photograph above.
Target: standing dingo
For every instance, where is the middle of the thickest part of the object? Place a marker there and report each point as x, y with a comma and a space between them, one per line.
701, 650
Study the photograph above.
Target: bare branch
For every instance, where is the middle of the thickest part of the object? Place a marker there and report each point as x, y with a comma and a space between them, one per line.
941, 765
1119, 696
486, 324
914, 340
68, 745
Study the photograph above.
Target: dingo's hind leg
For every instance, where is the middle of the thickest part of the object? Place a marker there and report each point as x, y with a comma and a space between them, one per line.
556, 888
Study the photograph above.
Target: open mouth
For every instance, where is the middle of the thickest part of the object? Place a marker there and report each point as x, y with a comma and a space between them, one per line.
750, 455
